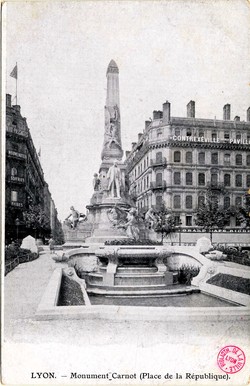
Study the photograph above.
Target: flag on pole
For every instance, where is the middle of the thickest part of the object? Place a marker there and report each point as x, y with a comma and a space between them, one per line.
13, 73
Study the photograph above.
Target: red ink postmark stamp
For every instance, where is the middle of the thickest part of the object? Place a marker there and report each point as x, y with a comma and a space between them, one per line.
231, 359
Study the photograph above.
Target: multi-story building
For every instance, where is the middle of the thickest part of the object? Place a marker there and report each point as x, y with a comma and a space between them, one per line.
25, 182
176, 159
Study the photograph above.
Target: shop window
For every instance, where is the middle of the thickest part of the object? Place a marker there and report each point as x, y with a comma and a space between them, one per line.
158, 201
14, 195
13, 172
188, 221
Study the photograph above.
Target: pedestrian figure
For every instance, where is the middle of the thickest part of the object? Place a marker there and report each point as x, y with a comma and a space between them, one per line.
51, 245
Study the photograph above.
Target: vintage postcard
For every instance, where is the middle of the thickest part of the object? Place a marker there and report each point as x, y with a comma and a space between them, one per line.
126, 192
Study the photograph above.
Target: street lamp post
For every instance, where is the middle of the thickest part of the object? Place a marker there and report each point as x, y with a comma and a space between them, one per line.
17, 222
180, 224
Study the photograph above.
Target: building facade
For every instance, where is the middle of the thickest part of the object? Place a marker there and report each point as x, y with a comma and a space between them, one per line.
176, 159
25, 184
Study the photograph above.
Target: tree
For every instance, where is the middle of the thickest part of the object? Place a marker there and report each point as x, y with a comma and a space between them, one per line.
210, 215
165, 222
36, 219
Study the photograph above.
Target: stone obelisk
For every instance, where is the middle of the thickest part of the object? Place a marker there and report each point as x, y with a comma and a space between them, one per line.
112, 146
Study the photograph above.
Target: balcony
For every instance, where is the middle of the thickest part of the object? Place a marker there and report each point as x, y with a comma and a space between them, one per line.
19, 180
17, 204
158, 185
16, 154
158, 162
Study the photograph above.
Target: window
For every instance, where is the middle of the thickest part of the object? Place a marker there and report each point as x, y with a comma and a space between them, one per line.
214, 136
189, 202
201, 179
201, 201
238, 201
201, 158
214, 158
177, 221
159, 133
238, 159
226, 159
147, 182
188, 132
238, 136
14, 195
158, 201
177, 178
248, 180
159, 157
227, 179
177, 201
188, 221
159, 179
177, 131
226, 202
144, 164
147, 161
248, 160
214, 178
13, 172
201, 133
226, 135
238, 180
189, 179
177, 156
189, 157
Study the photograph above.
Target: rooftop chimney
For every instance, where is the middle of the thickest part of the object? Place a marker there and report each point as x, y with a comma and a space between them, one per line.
191, 109
133, 144
17, 108
139, 136
248, 114
146, 124
166, 107
8, 100
157, 114
236, 118
226, 112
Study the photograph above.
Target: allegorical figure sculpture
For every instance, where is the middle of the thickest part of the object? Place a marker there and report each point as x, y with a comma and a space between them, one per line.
96, 182
150, 218
75, 215
131, 225
114, 177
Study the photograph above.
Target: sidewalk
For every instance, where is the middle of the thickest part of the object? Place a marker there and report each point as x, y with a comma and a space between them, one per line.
24, 287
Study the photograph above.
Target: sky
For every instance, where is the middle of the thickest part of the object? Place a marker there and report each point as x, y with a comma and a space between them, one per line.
165, 50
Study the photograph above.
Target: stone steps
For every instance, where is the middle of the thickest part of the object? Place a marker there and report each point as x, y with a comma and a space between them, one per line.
148, 291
